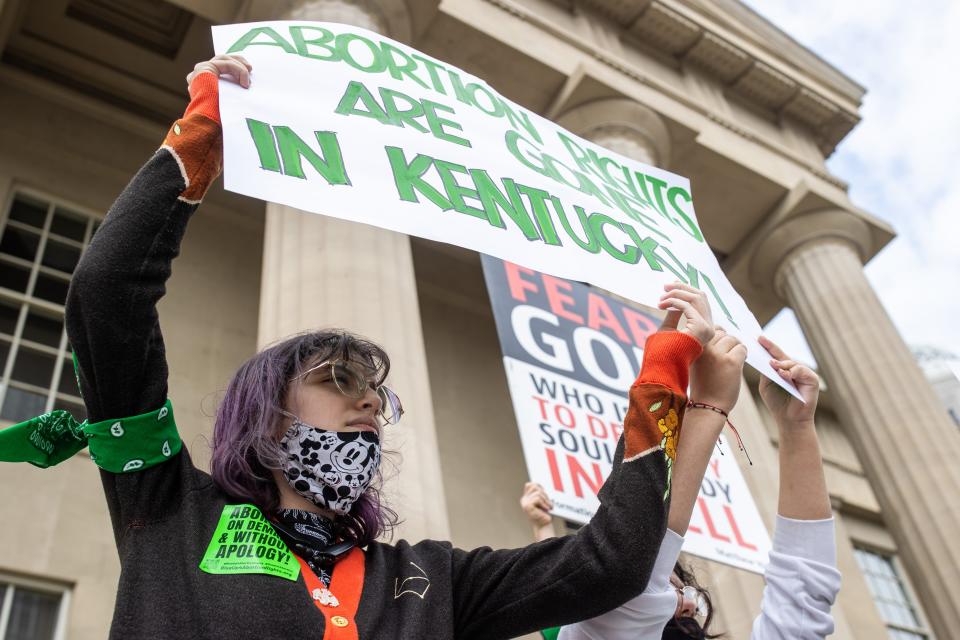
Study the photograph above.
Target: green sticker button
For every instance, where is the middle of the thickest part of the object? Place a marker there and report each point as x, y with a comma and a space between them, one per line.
246, 542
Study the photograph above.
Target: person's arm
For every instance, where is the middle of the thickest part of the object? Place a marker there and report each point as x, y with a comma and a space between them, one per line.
714, 380
507, 593
802, 580
111, 314
642, 617
803, 488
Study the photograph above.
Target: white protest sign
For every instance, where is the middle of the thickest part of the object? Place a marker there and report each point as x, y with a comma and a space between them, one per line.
570, 354
347, 123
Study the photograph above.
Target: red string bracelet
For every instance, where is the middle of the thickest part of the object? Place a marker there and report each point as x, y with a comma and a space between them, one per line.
710, 407
704, 405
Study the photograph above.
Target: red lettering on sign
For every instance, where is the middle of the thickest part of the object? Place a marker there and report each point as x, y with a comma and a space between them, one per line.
736, 530
554, 469
601, 429
578, 473
518, 285
543, 406
598, 429
599, 314
565, 416
557, 299
708, 520
640, 326
715, 465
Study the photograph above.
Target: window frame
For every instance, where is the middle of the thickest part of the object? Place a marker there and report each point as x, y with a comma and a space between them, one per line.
26, 301
903, 578
11, 582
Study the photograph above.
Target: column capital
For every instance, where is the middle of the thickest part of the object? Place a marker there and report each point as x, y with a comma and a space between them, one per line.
622, 125
798, 233
388, 17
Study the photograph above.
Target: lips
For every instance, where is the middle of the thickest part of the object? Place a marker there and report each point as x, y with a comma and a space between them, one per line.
364, 424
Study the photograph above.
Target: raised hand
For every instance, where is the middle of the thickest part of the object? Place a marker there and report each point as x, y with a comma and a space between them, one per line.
536, 504
787, 410
715, 376
233, 67
690, 303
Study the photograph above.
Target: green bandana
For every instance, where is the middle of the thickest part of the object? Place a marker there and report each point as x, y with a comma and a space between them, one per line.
117, 446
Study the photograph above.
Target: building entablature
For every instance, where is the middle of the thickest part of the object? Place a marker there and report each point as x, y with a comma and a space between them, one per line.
565, 60
788, 83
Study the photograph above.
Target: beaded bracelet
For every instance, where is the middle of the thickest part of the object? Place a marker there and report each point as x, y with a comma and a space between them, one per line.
710, 407
704, 405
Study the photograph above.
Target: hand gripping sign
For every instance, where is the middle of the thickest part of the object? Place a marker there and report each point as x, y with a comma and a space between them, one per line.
347, 123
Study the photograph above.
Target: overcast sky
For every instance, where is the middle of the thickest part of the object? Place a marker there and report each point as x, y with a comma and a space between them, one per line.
902, 161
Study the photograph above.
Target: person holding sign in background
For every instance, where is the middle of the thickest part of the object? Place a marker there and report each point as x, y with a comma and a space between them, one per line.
280, 539
802, 581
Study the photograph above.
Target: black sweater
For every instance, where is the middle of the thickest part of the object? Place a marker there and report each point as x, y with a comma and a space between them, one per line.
164, 517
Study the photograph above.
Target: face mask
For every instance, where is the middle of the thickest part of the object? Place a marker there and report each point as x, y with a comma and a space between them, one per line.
331, 469
683, 629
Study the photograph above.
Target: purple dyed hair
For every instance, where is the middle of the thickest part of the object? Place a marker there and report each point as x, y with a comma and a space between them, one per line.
245, 447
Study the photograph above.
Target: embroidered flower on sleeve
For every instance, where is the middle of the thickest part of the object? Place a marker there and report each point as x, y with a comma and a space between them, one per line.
668, 427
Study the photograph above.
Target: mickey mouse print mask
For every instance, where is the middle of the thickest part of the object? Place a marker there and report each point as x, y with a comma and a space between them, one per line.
331, 469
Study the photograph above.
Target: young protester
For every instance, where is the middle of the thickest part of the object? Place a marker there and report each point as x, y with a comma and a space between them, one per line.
801, 580
296, 450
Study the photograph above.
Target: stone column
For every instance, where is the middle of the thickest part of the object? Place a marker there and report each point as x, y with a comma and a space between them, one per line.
909, 449
325, 272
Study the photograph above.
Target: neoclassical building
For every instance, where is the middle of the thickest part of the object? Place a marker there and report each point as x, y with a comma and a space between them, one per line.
705, 88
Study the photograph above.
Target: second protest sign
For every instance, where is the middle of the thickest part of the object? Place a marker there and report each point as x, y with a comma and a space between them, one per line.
570, 354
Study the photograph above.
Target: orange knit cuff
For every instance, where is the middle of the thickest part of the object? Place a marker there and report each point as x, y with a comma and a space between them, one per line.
666, 359
204, 96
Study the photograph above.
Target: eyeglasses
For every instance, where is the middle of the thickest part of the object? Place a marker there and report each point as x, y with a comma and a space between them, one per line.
693, 595
353, 384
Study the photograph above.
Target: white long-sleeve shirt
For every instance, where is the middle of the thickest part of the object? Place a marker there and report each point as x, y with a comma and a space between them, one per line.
802, 583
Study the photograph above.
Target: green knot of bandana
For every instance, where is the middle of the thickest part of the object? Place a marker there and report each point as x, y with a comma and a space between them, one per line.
57, 434
116, 445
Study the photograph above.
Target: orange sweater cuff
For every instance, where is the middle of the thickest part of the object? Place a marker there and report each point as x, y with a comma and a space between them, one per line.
667, 357
204, 96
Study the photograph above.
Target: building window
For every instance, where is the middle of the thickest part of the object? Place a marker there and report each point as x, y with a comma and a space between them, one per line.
32, 610
40, 244
891, 596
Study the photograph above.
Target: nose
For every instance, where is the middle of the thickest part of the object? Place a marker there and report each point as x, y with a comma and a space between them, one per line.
686, 602
370, 401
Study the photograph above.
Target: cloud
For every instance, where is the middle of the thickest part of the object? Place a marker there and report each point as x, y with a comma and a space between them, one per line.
900, 161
